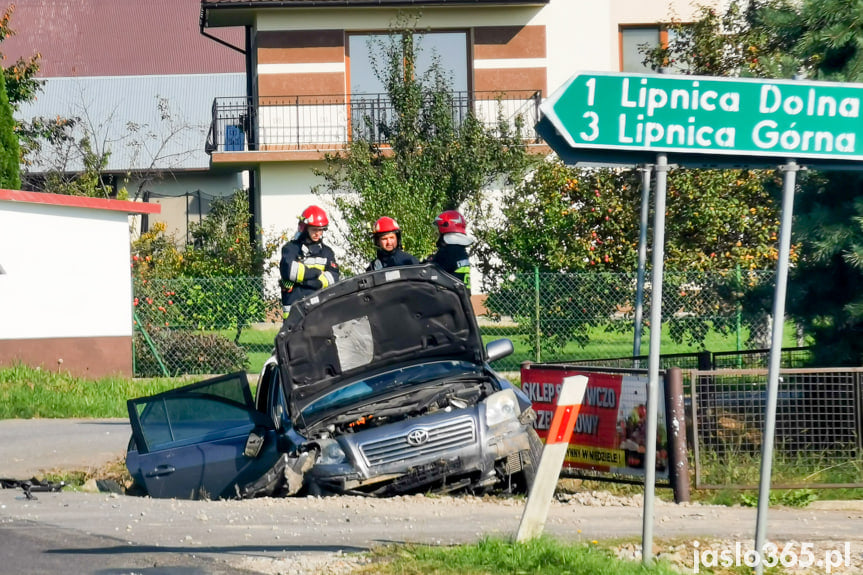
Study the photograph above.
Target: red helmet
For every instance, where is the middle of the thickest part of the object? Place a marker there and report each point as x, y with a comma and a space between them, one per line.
451, 221
313, 216
385, 225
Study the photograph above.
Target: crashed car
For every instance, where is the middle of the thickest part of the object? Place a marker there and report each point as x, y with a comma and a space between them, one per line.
379, 385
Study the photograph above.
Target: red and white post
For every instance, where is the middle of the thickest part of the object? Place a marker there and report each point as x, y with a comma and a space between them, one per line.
551, 462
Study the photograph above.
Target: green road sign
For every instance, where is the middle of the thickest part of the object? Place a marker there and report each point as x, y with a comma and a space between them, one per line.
705, 115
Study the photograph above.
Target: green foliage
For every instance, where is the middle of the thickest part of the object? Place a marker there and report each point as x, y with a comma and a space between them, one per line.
430, 161
222, 245
188, 352
9, 154
178, 288
563, 219
21, 83
751, 38
201, 303
88, 182
31, 392
786, 497
539, 556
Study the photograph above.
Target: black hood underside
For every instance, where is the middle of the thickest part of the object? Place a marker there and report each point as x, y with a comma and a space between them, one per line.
371, 321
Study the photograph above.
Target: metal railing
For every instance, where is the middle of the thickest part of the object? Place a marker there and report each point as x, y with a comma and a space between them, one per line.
819, 425
329, 122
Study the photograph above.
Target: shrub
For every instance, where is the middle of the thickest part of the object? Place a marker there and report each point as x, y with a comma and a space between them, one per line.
185, 352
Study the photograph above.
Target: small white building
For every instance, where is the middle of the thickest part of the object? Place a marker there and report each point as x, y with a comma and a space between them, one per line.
65, 285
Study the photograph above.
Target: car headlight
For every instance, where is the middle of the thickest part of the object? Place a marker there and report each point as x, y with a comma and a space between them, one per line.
331, 453
500, 407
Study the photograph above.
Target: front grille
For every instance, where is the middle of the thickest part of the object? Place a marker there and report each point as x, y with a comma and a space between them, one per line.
447, 436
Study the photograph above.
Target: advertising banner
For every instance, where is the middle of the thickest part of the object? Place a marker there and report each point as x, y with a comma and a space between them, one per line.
609, 434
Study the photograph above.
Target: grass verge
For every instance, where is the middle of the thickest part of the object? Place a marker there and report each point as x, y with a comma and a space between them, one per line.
28, 393
543, 556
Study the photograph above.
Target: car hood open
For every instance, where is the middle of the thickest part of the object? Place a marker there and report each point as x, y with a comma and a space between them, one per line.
371, 321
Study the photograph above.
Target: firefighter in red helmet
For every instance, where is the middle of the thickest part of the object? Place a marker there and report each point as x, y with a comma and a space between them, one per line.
387, 236
307, 264
452, 245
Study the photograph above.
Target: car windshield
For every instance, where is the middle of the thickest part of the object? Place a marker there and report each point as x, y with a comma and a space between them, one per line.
388, 381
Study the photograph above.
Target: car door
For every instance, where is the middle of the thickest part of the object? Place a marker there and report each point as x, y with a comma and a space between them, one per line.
191, 441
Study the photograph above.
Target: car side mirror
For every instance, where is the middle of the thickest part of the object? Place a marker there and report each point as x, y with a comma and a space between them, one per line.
498, 349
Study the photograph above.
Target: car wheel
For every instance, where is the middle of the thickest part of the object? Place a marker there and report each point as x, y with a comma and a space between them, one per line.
135, 488
530, 461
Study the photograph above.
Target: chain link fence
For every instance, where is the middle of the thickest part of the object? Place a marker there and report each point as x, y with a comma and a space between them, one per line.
576, 317
202, 325
218, 325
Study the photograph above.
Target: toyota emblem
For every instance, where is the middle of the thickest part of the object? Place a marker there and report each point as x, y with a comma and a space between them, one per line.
418, 437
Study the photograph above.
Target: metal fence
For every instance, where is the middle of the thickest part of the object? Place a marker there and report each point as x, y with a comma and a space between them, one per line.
818, 427
329, 122
203, 326
584, 317
789, 357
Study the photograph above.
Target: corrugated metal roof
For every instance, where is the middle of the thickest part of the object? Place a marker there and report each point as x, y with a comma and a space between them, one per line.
119, 37
125, 113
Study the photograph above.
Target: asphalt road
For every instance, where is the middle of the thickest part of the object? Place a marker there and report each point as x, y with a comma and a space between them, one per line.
109, 534
32, 447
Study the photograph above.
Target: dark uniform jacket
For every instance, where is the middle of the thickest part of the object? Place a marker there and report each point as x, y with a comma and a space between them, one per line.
397, 257
454, 260
305, 268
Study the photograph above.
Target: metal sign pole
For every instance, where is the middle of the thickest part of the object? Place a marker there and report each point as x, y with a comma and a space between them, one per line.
642, 258
789, 181
653, 359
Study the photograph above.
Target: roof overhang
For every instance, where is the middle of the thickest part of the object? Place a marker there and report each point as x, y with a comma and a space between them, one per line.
79, 202
222, 13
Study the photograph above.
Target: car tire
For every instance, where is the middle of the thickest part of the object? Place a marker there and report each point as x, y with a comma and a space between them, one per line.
135, 488
530, 458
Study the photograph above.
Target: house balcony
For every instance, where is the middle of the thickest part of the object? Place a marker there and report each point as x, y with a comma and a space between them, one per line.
248, 131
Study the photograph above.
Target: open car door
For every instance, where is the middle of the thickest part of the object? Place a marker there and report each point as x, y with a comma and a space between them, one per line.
191, 441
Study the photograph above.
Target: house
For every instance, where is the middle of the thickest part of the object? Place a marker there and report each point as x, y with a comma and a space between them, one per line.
310, 76
64, 282
141, 79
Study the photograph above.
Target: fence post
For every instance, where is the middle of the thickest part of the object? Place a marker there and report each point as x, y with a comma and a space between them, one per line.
151, 345
536, 310
675, 422
706, 361
739, 307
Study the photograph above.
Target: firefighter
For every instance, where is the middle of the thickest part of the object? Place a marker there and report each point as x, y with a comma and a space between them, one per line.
388, 238
452, 245
307, 264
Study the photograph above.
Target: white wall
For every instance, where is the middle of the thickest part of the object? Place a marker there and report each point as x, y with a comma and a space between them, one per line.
66, 272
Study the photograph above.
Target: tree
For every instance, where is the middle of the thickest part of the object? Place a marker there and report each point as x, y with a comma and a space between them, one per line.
9, 154
71, 155
425, 162
21, 83
563, 219
823, 40
218, 279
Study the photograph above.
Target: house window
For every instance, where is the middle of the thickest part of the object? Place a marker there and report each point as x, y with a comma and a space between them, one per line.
634, 38
449, 47
370, 108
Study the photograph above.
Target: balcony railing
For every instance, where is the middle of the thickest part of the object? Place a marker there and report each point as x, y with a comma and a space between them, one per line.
327, 123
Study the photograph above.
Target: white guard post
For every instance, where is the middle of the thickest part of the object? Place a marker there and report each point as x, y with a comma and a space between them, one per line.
550, 463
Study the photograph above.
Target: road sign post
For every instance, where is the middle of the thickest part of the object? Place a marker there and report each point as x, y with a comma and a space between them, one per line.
609, 118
